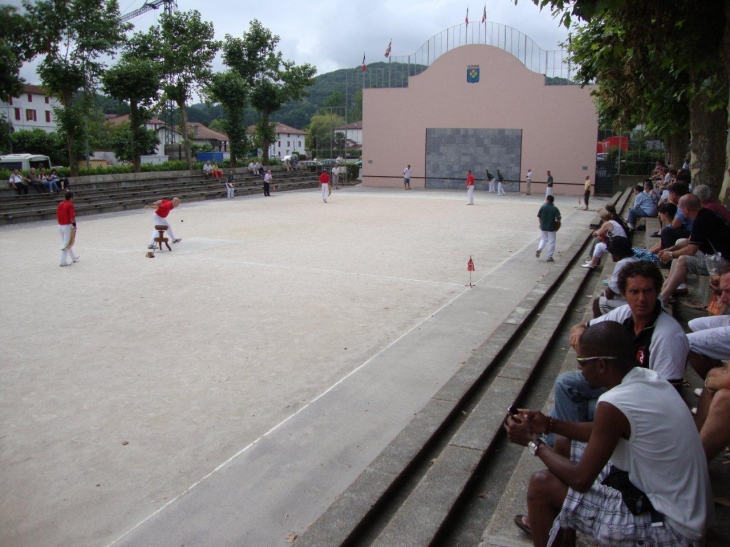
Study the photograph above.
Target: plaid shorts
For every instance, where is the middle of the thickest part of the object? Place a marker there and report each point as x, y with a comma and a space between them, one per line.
601, 514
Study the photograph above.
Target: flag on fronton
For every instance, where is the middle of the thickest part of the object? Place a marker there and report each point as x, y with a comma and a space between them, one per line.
484, 15
467, 16
387, 51
364, 66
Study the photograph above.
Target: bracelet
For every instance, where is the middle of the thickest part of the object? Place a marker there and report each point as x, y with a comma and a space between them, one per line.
550, 425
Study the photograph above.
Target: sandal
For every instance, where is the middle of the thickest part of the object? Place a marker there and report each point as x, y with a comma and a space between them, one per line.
521, 524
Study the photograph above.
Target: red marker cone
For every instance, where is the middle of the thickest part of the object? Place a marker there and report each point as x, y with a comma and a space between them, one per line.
470, 267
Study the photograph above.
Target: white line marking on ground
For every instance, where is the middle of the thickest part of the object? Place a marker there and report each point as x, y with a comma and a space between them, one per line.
277, 426
322, 270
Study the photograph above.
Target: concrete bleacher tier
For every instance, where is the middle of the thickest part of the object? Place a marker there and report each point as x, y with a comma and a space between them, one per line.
109, 193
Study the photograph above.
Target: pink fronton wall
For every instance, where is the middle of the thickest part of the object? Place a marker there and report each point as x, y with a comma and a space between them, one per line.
559, 123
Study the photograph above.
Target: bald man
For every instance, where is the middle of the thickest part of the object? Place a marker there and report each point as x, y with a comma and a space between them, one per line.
643, 445
710, 235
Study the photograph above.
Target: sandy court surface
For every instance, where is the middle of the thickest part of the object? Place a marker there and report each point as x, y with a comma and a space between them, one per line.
127, 379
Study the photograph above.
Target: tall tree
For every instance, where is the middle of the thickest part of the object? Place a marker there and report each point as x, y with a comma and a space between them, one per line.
137, 80
229, 89
272, 80
77, 34
626, 100
19, 42
184, 45
683, 37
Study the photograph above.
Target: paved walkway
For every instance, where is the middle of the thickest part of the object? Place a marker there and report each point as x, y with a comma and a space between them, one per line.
226, 392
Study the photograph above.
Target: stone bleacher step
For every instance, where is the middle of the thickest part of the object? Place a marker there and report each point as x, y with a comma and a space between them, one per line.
423, 513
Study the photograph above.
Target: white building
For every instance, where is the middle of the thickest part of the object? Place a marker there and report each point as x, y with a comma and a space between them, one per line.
288, 141
32, 110
352, 132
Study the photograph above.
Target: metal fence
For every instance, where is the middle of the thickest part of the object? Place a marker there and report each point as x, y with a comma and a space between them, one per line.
551, 63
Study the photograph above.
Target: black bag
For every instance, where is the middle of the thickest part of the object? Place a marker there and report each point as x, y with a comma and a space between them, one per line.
635, 500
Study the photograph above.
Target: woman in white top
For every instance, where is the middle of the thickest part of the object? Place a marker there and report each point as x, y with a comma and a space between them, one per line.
609, 228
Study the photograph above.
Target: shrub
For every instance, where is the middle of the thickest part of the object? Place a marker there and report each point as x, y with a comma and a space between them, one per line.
352, 171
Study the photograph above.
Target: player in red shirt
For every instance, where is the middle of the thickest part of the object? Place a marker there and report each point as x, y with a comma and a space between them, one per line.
470, 186
163, 208
324, 182
66, 215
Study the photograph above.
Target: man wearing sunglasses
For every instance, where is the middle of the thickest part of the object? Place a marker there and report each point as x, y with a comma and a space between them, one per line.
637, 475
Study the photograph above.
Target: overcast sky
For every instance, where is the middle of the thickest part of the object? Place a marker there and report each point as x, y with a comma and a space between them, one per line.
333, 34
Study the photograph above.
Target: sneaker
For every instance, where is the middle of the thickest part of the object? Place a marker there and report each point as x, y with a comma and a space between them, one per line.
537, 253
64, 265
587, 265
178, 240
550, 259
77, 259
150, 246
698, 391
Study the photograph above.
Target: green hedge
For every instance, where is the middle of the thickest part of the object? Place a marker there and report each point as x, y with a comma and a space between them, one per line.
636, 162
352, 171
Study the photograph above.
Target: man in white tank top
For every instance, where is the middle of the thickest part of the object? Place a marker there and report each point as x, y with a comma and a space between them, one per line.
642, 432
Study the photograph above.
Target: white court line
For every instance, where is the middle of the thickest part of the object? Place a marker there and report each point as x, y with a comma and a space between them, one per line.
322, 270
277, 426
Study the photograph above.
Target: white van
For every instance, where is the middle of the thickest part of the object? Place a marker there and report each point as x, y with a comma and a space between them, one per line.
24, 162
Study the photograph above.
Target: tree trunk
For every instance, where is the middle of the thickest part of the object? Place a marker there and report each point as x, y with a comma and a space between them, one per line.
186, 138
676, 147
708, 133
724, 193
265, 144
134, 126
73, 165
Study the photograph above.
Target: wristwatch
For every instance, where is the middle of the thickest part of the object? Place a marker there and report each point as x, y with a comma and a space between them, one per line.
532, 446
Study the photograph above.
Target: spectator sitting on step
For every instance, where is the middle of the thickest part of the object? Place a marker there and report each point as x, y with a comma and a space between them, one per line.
62, 182
666, 213
710, 235
622, 254
16, 182
703, 192
612, 227
645, 205
251, 168
48, 181
33, 180
680, 226
217, 173
658, 342
207, 170
257, 168
637, 475
709, 344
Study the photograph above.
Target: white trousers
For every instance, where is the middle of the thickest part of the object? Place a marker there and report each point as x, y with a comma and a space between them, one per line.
500, 189
65, 231
491, 185
470, 193
229, 190
600, 250
325, 191
547, 238
548, 192
710, 336
156, 219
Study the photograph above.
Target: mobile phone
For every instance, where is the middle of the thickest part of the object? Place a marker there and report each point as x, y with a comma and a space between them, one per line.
513, 410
